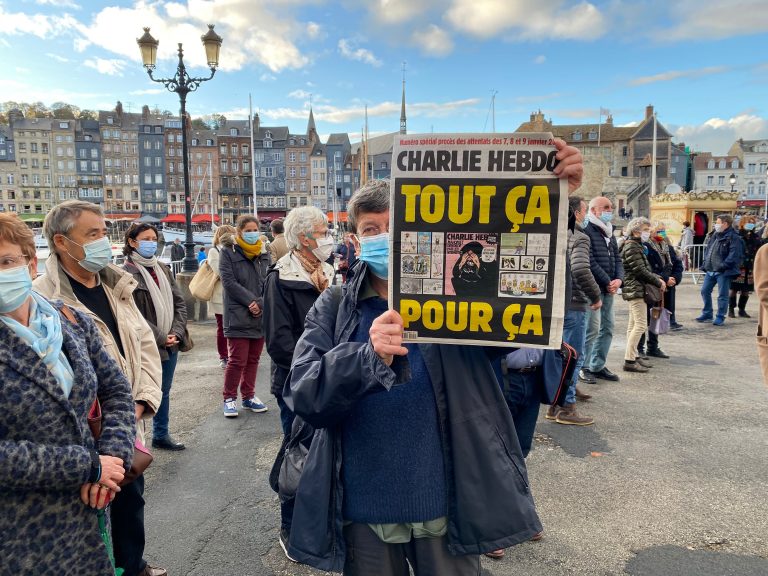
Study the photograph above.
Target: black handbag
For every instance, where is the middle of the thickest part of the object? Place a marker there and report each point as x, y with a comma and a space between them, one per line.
294, 454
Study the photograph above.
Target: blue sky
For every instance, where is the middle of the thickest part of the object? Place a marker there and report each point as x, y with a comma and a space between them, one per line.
703, 64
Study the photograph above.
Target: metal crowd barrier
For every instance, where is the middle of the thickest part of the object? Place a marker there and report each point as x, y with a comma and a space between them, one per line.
692, 256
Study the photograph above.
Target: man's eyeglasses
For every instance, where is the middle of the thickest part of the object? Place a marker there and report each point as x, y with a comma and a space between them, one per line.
8, 262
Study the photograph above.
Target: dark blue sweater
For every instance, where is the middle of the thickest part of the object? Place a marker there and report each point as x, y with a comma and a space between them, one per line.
393, 469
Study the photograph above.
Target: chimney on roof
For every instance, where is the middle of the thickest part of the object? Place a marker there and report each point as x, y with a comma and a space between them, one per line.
609, 120
649, 112
119, 112
145, 113
256, 122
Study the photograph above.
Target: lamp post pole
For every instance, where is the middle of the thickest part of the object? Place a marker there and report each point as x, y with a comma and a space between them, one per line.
182, 84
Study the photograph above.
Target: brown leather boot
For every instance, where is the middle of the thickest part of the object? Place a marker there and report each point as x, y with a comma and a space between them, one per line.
568, 415
582, 395
552, 412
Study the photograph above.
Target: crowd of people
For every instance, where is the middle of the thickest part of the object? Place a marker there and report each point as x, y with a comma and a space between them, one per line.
358, 494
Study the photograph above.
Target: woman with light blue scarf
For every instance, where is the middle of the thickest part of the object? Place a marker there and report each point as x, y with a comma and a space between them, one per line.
54, 475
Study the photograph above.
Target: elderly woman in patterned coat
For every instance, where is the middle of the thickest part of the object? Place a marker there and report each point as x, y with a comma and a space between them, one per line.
53, 475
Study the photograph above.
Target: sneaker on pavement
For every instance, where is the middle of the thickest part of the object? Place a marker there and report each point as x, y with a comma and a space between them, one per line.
230, 407
657, 353
704, 318
634, 367
605, 374
496, 554
718, 321
644, 363
586, 377
568, 415
254, 405
153, 571
223, 363
676, 326
283, 539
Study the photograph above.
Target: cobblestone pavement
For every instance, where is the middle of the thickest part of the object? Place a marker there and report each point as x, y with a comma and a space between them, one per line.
671, 480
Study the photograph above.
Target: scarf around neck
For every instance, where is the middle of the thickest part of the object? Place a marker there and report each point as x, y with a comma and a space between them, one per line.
314, 269
45, 337
160, 291
606, 227
251, 250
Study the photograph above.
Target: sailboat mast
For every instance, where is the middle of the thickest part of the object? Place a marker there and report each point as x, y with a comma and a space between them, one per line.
653, 159
253, 155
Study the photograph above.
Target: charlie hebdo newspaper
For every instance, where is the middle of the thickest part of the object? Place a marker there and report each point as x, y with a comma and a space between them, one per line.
478, 239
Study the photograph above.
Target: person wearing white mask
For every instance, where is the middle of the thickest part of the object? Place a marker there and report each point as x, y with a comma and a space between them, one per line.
293, 284
160, 301
242, 277
79, 273
638, 273
607, 270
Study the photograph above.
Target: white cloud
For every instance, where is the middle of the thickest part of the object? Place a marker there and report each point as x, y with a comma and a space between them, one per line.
676, 74
147, 92
314, 30
59, 3
397, 11
434, 41
300, 94
348, 50
253, 32
108, 66
57, 57
528, 19
714, 20
342, 115
266, 77
540, 59
23, 92
716, 135
40, 25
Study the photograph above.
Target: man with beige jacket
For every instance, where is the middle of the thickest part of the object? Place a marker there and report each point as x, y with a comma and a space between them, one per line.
761, 288
78, 272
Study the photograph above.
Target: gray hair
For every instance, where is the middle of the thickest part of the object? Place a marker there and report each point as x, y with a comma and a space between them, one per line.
62, 218
727, 218
300, 221
372, 197
636, 224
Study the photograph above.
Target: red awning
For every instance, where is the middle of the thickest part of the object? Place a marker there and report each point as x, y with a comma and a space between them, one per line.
204, 218
752, 202
271, 214
174, 218
115, 217
342, 216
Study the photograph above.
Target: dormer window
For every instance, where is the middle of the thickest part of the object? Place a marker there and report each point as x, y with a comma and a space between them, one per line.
110, 120
577, 135
722, 165
268, 135
233, 132
735, 164
711, 165
592, 135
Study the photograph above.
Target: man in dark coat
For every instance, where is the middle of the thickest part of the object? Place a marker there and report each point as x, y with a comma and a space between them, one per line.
722, 258
472, 276
405, 453
607, 270
177, 251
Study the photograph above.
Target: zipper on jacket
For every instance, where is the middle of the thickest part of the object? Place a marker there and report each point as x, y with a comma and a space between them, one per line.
512, 460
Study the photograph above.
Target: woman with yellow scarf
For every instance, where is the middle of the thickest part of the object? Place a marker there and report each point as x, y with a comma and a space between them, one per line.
242, 277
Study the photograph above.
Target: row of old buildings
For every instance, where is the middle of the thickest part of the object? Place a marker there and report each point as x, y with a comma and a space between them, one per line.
133, 164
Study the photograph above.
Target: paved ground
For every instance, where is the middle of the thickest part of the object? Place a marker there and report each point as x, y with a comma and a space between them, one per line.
672, 480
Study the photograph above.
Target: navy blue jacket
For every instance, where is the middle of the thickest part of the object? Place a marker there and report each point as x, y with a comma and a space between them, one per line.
731, 248
604, 259
490, 505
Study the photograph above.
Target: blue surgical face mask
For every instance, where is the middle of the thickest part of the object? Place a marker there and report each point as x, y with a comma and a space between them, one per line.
606, 217
749, 226
584, 223
98, 254
147, 248
250, 237
374, 250
718, 228
662, 233
15, 288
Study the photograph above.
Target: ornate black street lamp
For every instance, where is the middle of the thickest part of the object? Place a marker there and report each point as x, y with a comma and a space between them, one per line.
182, 83
732, 180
